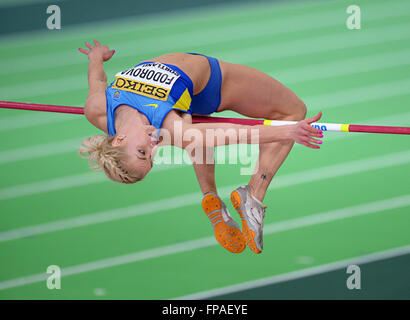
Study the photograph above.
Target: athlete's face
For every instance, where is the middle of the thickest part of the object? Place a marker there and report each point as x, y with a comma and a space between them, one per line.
141, 146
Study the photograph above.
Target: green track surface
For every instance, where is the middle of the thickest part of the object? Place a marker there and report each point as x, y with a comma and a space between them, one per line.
151, 240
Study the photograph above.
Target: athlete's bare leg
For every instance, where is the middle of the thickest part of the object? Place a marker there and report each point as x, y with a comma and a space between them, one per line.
254, 94
227, 231
205, 174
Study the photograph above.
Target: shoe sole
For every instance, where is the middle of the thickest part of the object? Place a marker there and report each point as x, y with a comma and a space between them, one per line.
247, 233
228, 237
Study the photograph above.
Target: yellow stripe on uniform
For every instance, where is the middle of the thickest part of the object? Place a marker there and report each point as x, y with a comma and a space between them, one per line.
345, 128
267, 122
184, 102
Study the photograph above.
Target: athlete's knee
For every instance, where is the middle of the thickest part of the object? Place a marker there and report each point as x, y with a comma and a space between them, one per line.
299, 110
295, 111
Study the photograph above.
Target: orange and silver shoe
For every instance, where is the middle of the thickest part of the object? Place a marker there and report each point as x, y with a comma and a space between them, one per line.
252, 213
227, 231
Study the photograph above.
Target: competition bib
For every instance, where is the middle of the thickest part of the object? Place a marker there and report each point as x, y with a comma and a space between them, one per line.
153, 80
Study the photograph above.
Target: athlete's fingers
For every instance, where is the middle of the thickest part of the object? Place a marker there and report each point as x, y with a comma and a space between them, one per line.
306, 142
317, 141
97, 44
315, 118
108, 55
305, 124
83, 51
311, 131
311, 146
89, 46
316, 135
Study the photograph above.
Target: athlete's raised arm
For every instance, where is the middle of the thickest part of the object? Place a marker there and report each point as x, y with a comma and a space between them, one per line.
95, 105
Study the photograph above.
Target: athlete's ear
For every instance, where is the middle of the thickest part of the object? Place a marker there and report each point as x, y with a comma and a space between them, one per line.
151, 129
118, 140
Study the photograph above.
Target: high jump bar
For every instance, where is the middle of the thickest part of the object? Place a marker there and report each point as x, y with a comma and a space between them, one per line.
208, 119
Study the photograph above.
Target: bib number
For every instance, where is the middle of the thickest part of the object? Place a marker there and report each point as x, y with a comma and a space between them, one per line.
154, 80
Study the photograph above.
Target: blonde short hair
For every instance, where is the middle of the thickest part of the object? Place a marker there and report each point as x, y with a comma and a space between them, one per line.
102, 155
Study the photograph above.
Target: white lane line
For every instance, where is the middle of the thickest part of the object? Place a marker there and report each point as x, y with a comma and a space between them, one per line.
33, 118
341, 264
78, 82
307, 73
343, 67
355, 95
72, 145
292, 224
146, 23
38, 88
202, 37
76, 180
42, 150
290, 76
289, 180
358, 95
240, 12
315, 102
86, 178
315, 44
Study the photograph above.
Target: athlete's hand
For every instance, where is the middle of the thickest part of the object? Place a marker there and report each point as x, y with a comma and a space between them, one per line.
303, 133
97, 51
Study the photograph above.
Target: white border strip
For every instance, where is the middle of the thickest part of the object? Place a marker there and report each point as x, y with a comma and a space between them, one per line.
86, 178
72, 145
272, 228
328, 172
79, 82
373, 257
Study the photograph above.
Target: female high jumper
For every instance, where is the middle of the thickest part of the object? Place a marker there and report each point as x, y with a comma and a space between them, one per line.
152, 100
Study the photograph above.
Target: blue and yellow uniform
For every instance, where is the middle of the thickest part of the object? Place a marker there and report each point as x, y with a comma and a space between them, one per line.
154, 89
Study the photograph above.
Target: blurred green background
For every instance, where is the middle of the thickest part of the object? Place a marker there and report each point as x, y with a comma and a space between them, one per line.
347, 203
